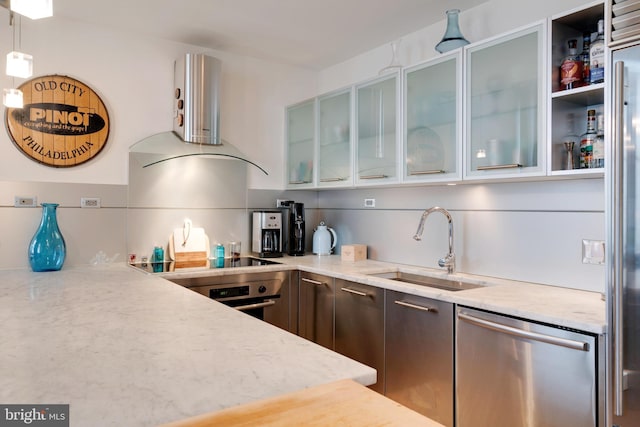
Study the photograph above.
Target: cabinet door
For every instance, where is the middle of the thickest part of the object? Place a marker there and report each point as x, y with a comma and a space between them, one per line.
433, 128
505, 107
335, 158
300, 144
315, 312
419, 355
360, 325
377, 131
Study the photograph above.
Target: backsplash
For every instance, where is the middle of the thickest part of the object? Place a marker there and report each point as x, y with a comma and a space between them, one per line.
86, 231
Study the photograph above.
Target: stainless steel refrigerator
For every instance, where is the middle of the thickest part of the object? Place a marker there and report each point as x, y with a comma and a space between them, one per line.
623, 238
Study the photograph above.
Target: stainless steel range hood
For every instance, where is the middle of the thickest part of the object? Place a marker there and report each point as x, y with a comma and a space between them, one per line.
196, 123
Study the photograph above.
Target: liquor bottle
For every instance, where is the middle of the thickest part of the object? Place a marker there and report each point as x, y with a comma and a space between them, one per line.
598, 144
587, 140
596, 56
571, 68
584, 57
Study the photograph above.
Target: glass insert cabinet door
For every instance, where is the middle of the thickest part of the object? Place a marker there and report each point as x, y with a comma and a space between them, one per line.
300, 143
377, 130
505, 96
433, 129
334, 140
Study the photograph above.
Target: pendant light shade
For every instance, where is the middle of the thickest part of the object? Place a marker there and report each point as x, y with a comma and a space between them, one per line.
34, 9
452, 38
12, 98
19, 64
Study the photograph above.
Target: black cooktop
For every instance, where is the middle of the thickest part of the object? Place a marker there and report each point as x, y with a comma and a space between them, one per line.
208, 264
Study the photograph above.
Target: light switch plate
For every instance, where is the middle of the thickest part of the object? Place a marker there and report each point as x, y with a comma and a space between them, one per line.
592, 252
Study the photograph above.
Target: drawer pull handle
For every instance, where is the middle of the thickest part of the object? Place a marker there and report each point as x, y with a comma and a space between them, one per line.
509, 166
313, 282
417, 307
299, 182
373, 176
332, 179
353, 291
429, 172
267, 303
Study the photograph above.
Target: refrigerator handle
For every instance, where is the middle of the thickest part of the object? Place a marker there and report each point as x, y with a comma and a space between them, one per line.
618, 208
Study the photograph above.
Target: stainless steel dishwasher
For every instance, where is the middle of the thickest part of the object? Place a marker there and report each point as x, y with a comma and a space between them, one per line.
511, 372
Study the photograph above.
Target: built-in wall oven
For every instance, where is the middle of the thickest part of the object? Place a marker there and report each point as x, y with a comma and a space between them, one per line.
263, 295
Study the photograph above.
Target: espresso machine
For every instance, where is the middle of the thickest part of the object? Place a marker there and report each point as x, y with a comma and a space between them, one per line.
267, 234
295, 230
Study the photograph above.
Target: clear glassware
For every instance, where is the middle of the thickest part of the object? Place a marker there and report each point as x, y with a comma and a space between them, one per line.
452, 38
395, 63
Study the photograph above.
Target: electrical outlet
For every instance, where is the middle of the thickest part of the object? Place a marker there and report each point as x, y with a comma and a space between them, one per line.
369, 203
89, 202
592, 252
283, 203
25, 202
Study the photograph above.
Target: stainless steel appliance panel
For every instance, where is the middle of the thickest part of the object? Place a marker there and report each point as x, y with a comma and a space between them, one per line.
360, 325
419, 354
623, 199
266, 296
316, 309
510, 372
267, 233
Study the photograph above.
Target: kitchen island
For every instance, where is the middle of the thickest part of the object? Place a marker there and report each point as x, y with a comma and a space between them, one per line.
129, 349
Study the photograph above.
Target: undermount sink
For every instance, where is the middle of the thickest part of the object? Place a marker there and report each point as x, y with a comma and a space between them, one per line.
432, 282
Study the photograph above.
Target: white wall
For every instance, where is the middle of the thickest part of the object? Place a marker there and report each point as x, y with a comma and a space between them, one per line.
481, 22
133, 75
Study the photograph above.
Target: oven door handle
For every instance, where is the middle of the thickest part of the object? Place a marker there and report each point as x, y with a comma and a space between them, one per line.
266, 303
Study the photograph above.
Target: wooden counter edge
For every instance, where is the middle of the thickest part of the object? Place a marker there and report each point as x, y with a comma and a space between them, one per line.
340, 403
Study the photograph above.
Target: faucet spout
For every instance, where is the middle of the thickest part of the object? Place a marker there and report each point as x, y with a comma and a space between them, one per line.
449, 260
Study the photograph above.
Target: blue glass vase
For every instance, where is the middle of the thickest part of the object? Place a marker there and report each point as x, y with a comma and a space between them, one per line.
47, 249
452, 38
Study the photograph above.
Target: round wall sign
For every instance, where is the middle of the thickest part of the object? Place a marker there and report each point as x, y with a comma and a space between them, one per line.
63, 123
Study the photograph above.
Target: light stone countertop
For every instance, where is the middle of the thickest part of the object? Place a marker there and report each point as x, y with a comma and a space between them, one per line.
571, 308
131, 349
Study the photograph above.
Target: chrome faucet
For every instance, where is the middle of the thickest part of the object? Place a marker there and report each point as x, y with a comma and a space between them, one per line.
449, 260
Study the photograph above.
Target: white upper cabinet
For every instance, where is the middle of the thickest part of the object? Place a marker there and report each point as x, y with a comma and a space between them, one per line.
505, 104
377, 130
432, 120
335, 153
300, 131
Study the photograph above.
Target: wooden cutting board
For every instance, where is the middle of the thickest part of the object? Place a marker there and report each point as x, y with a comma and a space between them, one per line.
342, 403
195, 247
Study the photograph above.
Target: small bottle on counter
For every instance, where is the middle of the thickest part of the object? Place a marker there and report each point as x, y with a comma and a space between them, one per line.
158, 254
219, 250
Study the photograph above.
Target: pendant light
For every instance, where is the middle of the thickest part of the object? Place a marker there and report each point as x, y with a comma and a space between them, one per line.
12, 98
19, 64
34, 9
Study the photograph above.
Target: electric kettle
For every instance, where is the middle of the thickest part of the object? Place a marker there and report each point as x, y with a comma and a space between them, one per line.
324, 240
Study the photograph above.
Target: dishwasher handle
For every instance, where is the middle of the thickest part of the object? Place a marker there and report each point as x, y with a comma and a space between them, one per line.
549, 339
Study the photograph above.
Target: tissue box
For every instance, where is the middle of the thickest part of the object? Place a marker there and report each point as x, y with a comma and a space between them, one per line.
353, 252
